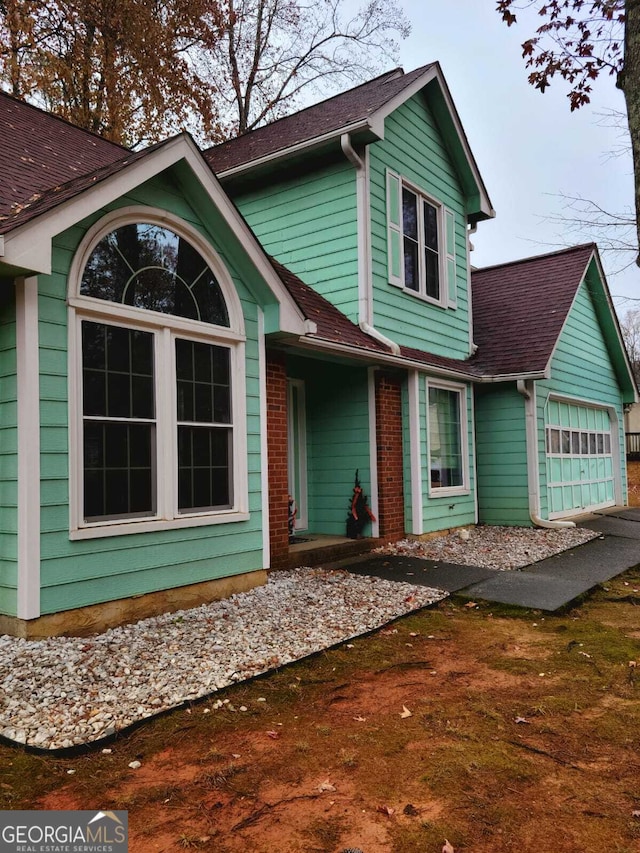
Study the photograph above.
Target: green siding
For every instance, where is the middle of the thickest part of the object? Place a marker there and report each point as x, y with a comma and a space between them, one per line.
8, 457
413, 147
78, 573
309, 223
503, 493
337, 415
580, 368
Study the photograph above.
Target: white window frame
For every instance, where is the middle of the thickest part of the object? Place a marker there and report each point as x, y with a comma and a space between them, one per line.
446, 228
165, 328
462, 391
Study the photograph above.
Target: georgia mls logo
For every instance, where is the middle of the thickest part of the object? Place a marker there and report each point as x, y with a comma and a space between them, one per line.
63, 832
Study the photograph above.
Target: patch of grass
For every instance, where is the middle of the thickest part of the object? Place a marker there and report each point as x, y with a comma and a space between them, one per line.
326, 832
461, 765
219, 778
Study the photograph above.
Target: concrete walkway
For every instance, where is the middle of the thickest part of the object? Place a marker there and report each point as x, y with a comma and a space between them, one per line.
547, 585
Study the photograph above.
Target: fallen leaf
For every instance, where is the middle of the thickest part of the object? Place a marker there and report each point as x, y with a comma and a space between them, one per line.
274, 735
325, 786
468, 604
410, 810
360, 719
635, 814
447, 848
521, 720
235, 755
386, 810
405, 712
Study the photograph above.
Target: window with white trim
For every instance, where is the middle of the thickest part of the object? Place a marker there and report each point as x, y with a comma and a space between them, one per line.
160, 378
446, 430
421, 243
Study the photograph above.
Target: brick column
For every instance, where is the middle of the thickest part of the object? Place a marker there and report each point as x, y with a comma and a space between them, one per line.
277, 450
389, 452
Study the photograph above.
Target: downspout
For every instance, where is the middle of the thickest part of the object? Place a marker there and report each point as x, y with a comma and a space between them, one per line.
365, 307
527, 389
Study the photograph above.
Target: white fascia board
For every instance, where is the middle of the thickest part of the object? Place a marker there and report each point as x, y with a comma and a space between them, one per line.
30, 245
435, 73
596, 257
373, 356
382, 358
307, 144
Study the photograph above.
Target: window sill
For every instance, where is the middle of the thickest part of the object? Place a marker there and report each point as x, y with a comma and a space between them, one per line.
100, 531
453, 491
423, 297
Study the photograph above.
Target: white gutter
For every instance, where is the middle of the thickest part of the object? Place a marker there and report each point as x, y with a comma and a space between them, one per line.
307, 144
528, 391
365, 295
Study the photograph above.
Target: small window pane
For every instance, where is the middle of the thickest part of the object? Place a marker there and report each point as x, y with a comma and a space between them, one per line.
430, 226
409, 214
566, 441
411, 271
600, 439
607, 442
204, 472
432, 275
592, 443
118, 479
555, 441
575, 443
584, 443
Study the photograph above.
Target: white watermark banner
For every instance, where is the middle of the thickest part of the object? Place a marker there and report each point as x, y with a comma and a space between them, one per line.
64, 832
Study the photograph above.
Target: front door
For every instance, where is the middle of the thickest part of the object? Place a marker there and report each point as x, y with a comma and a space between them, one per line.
297, 452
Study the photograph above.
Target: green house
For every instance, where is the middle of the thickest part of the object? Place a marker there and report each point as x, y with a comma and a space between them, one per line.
198, 350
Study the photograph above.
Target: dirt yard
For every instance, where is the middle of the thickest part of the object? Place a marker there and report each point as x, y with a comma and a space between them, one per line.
496, 729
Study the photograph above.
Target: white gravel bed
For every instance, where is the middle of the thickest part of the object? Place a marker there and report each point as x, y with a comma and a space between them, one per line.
67, 691
502, 548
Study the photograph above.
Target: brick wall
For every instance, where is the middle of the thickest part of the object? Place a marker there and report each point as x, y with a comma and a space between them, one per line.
389, 452
277, 468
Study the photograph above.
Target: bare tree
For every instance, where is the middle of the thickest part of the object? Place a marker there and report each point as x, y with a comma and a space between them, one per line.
630, 327
578, 41
275, 51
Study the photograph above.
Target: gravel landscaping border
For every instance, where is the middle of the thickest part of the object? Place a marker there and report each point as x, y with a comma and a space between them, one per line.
68, 692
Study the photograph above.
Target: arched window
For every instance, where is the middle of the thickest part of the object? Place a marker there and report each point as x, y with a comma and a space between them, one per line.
162, 385
148, 266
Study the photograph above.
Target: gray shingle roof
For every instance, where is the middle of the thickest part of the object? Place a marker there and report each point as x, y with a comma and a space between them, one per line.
519, 309
326, 117
40, 152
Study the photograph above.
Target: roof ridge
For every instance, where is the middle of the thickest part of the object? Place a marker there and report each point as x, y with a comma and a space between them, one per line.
530, 258
392, 75
62, 119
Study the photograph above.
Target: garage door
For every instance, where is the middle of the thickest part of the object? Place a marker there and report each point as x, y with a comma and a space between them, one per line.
580, 469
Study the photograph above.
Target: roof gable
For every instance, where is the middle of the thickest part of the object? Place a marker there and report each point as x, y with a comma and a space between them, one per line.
521, 308
361, 110
348, 109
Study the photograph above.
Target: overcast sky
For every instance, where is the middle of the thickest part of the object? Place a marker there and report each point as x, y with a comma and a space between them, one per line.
529, 147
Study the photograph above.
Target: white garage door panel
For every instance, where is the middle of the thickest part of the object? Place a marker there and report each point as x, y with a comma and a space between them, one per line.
580, 469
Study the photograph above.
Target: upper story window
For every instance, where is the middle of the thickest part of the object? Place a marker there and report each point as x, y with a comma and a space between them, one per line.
158, 436
421, 243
